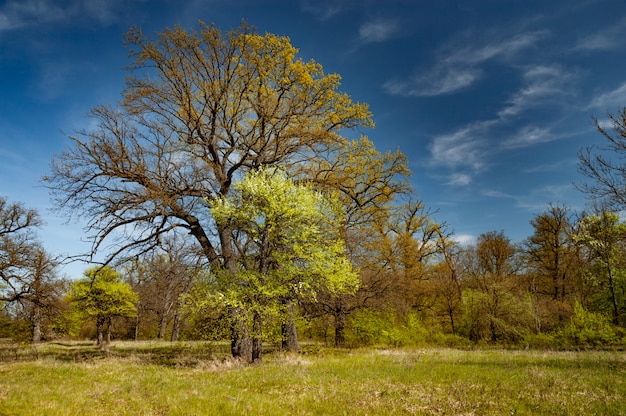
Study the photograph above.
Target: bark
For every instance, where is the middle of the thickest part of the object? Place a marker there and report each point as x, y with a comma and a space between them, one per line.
100, 331
289, 331
109, 331
175, 327
162, 326
36, 321
240, 342
257, 338
340, 325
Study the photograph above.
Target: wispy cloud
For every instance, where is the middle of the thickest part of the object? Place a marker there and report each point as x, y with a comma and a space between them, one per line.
542, 84
18, 14
476, 54
528, 136
459, 65
378, 30
459, 179
610, 99
445, 81
535, 200
609, 38
473, 145
323, 10
464, 148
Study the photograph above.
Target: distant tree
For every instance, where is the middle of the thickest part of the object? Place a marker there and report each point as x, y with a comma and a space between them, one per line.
102, 295
445, 279
604, 166
495, 307
368, 184
28, 273
551, 265
160, 280
289, 245
204, 108
603, 237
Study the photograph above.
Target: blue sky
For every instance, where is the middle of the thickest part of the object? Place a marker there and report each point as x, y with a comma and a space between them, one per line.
489, 99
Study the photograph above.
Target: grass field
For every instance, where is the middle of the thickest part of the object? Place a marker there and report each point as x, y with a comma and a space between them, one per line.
196, 379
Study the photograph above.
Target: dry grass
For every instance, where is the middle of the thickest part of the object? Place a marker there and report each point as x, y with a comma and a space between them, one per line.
328, 382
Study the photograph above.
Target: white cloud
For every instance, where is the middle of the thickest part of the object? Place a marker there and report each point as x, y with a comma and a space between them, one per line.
607, 39
528, 136
459, 66
610, 99
460, 179
445, 81
378, 30
503, 48
463, 148
464, 239
542, 84
322, 9
18, 14
536, 199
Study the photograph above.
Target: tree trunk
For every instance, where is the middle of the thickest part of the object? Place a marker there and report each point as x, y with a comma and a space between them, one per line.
340, 325
175, 327
613, 296
162, 326
109, 331
240, 343
100, 331
289, 331
36, 321
257, 338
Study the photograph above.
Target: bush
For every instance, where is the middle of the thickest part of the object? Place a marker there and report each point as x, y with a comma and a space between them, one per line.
369, 327
588, 329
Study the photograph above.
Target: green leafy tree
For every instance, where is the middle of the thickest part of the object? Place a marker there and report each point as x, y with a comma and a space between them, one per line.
288, 238
603, 237
102, 295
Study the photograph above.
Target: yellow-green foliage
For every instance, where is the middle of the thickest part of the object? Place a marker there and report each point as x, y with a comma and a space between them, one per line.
292, 237
102, 294
588, 329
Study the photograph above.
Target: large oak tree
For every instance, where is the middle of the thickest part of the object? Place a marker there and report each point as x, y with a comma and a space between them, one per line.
200, 108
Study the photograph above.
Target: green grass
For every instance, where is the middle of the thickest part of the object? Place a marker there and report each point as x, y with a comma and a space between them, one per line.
196, 379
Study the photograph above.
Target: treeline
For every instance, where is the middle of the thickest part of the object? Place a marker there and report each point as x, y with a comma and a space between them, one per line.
563, 286
228, 204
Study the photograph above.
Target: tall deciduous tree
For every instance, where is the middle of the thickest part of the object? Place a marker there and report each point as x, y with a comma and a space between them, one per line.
551, 261
288, 238
102, 295
28, 273
495, 307
202, 108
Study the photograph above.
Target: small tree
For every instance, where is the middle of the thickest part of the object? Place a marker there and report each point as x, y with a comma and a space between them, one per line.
289, 245
603, 236
102, 295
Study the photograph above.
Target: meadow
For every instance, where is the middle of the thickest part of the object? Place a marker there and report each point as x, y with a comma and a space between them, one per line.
150, 378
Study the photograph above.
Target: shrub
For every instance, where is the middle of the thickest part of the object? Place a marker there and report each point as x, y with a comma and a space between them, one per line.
588, 329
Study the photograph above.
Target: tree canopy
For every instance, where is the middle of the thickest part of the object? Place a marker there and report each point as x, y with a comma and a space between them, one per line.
102, 295
288, 238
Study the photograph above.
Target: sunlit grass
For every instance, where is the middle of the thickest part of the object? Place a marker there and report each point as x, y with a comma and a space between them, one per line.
328, 382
